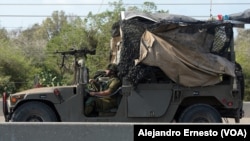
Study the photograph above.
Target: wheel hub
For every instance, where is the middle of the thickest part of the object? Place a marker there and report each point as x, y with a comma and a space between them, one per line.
34, 118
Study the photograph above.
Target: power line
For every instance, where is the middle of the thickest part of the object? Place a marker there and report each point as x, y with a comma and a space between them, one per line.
9, 15
32, 16
81, 16
98, 4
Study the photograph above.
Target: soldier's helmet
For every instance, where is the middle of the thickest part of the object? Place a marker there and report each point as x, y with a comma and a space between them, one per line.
112, 67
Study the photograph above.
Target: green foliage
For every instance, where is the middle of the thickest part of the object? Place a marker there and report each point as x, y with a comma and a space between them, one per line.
94, 32
32, 42
16, 72
149, 7
72, 35
53, 25
242, 56
6, 85
102, 23
3, 35
31, 52
49, 78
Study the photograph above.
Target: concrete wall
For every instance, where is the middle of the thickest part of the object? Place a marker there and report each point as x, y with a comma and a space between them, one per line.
66, 132
76, 131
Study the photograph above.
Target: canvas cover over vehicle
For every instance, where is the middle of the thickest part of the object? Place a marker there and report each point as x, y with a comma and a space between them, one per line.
241, 16
190, 52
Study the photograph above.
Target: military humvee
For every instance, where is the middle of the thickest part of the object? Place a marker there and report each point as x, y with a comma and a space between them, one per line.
173, 68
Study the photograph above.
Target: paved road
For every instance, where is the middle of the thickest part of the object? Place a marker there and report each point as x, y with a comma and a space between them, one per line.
246, 119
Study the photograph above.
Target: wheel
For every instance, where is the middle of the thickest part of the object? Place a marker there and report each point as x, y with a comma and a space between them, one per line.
34, 112
201, 113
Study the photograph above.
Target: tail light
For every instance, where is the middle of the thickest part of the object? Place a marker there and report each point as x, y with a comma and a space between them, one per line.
57, 93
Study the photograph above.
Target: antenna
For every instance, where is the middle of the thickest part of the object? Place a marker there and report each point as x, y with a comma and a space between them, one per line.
211, 16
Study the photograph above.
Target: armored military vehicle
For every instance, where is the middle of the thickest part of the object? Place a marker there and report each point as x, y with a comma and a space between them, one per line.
173, 68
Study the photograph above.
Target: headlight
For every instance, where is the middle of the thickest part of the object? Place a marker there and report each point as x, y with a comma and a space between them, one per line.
15, 98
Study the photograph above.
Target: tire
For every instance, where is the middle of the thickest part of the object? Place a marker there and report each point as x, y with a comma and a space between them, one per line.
34, 112
200, 113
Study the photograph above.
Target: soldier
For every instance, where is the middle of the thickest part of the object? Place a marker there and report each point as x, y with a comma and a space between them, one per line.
101, 101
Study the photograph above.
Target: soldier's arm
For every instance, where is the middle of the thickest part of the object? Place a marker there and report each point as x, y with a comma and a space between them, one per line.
112, 87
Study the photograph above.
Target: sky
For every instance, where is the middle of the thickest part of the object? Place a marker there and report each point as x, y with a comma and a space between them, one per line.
13, 13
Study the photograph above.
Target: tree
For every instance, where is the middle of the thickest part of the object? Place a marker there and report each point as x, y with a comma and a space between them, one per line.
63, 32
16, 72
149, 7
93, 32
72, 35
101, 25
242, 56
32, 43
27, 53
54, 24
3, 34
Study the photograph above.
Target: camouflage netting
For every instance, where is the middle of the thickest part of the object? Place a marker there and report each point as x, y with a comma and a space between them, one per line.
133, 29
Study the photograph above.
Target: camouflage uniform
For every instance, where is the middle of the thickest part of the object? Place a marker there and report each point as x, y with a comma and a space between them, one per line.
102, 104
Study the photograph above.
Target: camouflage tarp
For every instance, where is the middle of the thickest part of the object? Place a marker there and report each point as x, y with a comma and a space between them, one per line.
241, 16
185, 65
189, 52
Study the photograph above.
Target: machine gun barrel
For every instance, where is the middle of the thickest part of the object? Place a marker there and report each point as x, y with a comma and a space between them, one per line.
75, 52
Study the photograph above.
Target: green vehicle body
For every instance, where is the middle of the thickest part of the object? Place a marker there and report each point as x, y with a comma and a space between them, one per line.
147, 102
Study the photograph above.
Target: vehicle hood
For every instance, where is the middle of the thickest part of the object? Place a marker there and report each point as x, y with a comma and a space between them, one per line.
42, 90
